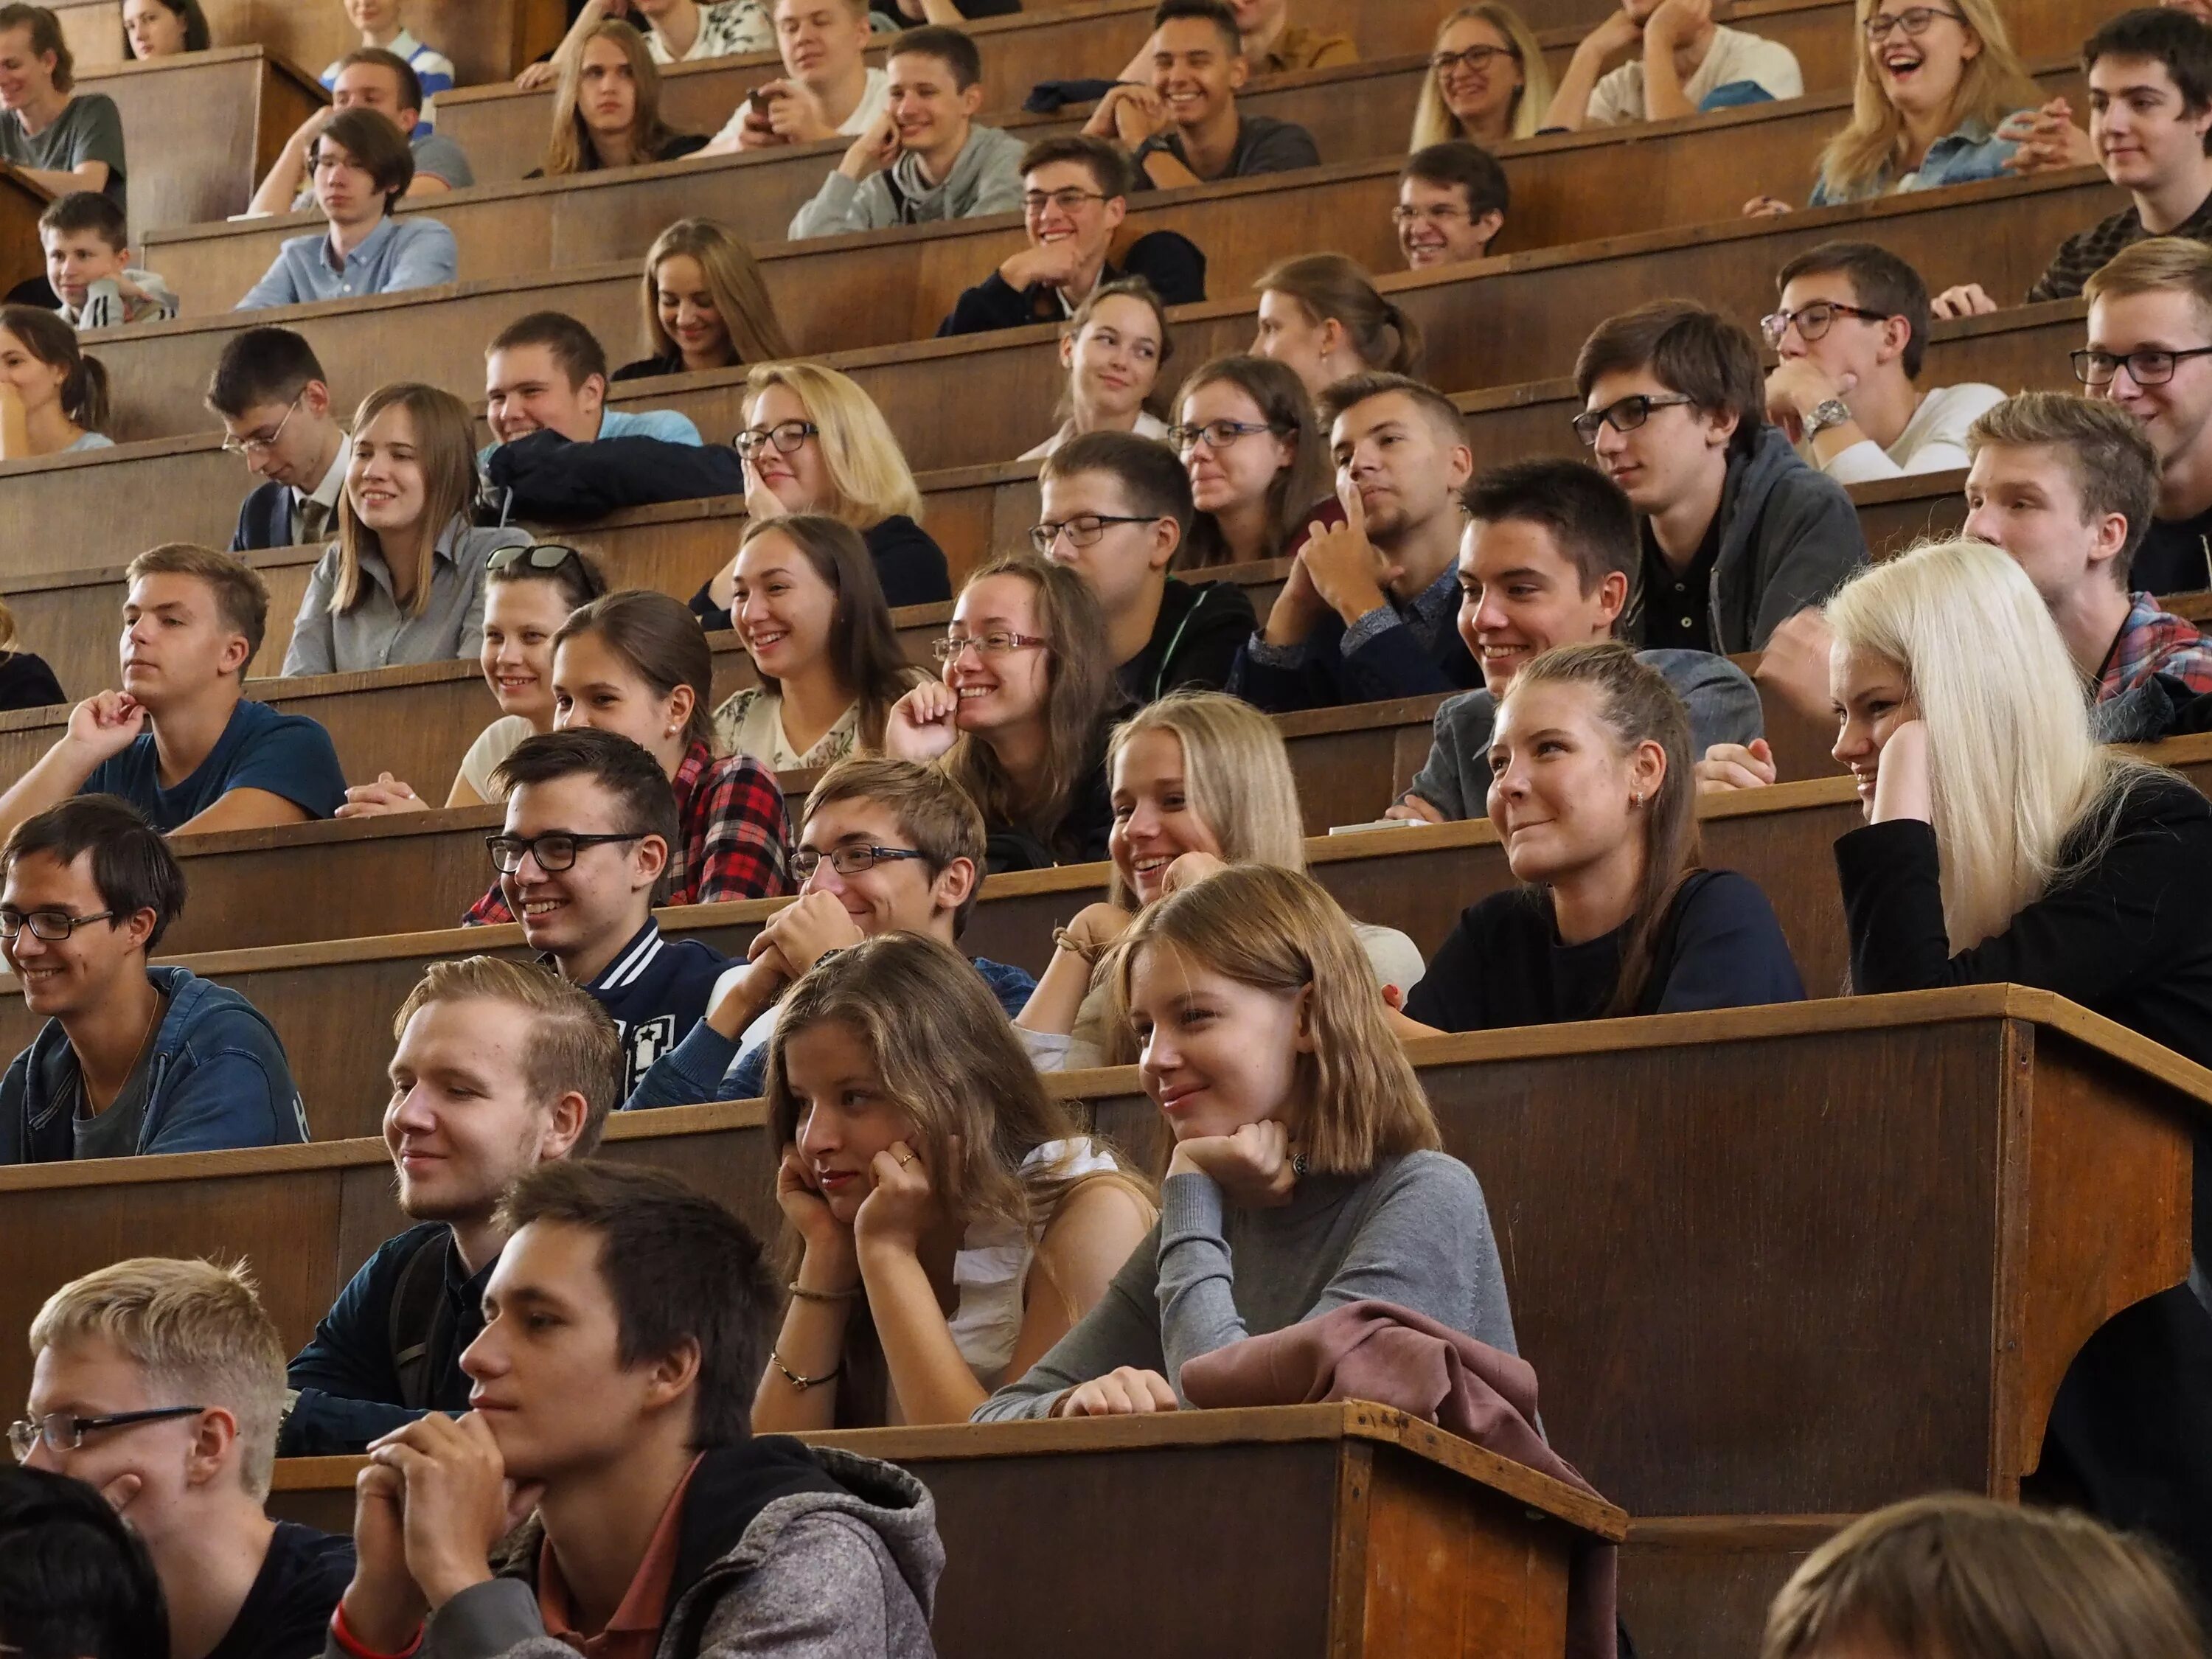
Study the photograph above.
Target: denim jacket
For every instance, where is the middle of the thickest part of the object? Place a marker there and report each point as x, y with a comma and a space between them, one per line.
1966, 156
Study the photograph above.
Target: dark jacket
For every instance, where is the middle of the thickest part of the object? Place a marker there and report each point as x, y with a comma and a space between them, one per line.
558, 481
1201, 627
1169, 261
1387, 662
909, 565
264, 519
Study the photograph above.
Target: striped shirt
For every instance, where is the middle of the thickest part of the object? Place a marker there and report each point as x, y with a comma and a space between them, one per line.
2080, 256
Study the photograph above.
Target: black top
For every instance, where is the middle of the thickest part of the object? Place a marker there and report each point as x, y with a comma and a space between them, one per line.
1264, 144
1079, 837
651, 368
909, 564
1678, 608
2175, 557
287, 1613
1167, 259
1504, 964
1193, 643
26, 682
674, 147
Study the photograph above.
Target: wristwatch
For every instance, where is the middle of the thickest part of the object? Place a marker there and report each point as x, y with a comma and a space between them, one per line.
1829, 411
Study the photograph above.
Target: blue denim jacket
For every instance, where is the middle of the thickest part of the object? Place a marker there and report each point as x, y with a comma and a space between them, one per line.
1966, 156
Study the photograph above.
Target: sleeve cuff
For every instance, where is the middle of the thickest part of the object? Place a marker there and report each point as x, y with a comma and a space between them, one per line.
1190, 1208
1372, 626
1258, 650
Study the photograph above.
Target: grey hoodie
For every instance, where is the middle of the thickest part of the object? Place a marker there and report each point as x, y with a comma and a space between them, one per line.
985, 177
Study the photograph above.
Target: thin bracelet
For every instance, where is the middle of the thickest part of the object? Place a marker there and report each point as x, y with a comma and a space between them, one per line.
805, 1295
1064, 940
803, 1383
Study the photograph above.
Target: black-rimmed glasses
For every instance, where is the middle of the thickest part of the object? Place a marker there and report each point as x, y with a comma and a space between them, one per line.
540, 556
848, 860
1083, 531
785, 436
1915, 22
2151, 366
52, 925
555, 851
1216, 434
64, 1431
1067, 201
1624, 414
1814, 320
1474, 58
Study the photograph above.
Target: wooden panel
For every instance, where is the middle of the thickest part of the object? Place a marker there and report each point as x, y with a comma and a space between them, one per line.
22, 202
94, 30
1692, 1586
487, 39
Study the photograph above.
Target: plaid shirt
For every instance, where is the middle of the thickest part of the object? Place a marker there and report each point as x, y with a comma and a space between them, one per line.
2155, 641
2080, 256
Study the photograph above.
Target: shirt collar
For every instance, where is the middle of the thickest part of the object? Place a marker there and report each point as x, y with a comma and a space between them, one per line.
644, 1607
1435, 603
325, 493
370, 247
629, 962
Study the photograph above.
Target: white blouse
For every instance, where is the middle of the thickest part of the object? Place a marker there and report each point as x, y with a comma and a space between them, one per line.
994, 1262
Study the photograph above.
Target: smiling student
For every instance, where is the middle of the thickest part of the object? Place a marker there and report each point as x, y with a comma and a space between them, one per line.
1258, 461
606, 113
88, 265
1185, 128
1113, 349
827, 89
61, 139
1488, 79
706, 304
1452, 200
1322, 314
546, 372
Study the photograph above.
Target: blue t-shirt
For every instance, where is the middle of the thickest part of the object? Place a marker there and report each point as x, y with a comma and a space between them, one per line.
287, 755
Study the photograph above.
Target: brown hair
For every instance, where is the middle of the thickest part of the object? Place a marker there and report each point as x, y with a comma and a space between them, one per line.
87, 210
663, 644
444, 447
1329, 286
1280, 396
403, 73
1588, 516
733, 280
1125, 288
1236, 772
1109, 166
46, 39
576, 350
1880, 280
1433, 121
864, 644
241, 597
1687, 349
131, 863
933, 812
377, 147
2114, 468
2154, 265
42, 333
1353, 389
197, 37
570, 149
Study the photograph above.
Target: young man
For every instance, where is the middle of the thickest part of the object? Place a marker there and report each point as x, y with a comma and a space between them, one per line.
1682, 63
132, 1059
1116, 507
370, 79
1550, 557
625, 1332
88, 265
159, 1382
383, 29
911, 844
1272, 43
827, 89
362, 168
274, 404
1074, 198
1739, 534
925, 159
74, 1579
1184, 129
590, 822
1367, 611
548, 373
1851, 332
1452, 200
501, 1066
180, 741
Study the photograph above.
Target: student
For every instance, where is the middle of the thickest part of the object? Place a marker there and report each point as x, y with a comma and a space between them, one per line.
163, 28
1682, 62
184, 1367
88, 265
947, 1221
1488, 79
811, 617
889, 847
547, 372
131, 1059
1321, 314
925, 160
1201, 781
74, 1579
501, 1066
1184, 128
362, 168
1074, 198
53, 394
607, 112
1452, 200
181, 742
625, 1326
1115, 509
1020, 719
1550, 557
675, 31
1275, 46
814, 442
1258, 462
529, 592
707, 304
1851, 332
1113, 349
25, 681
371, 79
1307, 1171
59, 139
1366, 613
383, 29
274, 401
827, 89
1739, 534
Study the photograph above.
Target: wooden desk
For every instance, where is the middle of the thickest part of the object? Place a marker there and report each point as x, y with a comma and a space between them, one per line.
22, 202
487, 39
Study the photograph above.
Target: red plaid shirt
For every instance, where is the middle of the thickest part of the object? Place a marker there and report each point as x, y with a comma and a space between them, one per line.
2155, 641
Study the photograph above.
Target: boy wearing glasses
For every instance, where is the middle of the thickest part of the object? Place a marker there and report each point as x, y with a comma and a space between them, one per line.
1452, 200
1681, 63
158, 1383
132, 1059
274, 402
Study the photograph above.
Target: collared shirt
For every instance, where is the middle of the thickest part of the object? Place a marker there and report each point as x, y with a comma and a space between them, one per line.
2150, 641
324, 495
633, 1632
1677, 603
2082, 255
376, 631
398, 254
1971, 153
1298, 48
1426, 615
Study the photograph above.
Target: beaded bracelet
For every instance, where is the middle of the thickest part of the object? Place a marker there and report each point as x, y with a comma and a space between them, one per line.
803, 1383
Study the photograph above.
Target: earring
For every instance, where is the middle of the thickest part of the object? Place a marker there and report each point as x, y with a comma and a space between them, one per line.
1636, 798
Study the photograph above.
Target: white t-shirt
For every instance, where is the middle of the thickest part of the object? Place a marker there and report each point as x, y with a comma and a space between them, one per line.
493, 745
874, 100
726, 29
1934, 440
1149, 425
1733, 57
993, 1264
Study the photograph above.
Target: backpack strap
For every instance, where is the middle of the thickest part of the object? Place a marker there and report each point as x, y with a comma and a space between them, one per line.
419, 1317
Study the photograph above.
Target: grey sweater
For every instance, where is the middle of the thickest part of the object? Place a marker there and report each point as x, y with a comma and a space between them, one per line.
1413, 1230
985, 177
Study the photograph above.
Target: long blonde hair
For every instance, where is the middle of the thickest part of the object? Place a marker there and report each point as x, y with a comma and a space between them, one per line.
445, 438
1236, 772
867, 469
1433, 121
570, 149
733, 281
1859, 161
2023, 794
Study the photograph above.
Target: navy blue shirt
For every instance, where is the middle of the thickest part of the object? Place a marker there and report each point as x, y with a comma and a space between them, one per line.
287, 1613
287, 755
657, 989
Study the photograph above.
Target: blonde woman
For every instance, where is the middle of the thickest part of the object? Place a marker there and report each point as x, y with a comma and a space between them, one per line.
404, 582
607, 112
814, 442
1307, 1171
1488, 79
951, 1223
706, 304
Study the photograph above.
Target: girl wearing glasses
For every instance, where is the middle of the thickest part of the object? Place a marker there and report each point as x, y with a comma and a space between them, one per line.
946, 1221
1258, 461
404, 582
814, 442
1113, 349
706, 304
1488, 79
811, 617
1322, 318
53, 396
607, 112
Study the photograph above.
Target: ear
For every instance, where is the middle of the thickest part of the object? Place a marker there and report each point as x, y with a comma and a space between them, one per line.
1612, 596
213, 1437
1302, 1012
1896, 335
953, 884
1067, 351
564, 1125
139, 925
971, 100
1113, 210
1647, 769
1167, 536
2112, 537
234, 652
673, 1375
1720, 425
1488, 226
1332, 336
1240, 71
593, 394
681, 701
650, 857
315, 398
1973, 49
1459, 465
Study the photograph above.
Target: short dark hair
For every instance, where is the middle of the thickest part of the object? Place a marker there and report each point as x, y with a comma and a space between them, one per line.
2114, 467
2173, 38
378, 148
645, 804
1587, 515
1356, 389
261, 365
241, 597
951, 46
679, 1267
574, 347
1879, 282
131, 863
75, 1582
1110, 167
1687, 349
410, 84
87, 210
1156, 483
1473, 168
1211, 12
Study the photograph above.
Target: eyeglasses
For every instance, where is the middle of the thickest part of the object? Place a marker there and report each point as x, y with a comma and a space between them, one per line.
1216, 434
1474, 58
64, 1431
1067, 201
1624, 415
555, 850
255, 442
2144, 367
986, 645
849, 861
1084, 531
1813, 320
1914, 22
785, 436
1439, 213
52, 925
541, 555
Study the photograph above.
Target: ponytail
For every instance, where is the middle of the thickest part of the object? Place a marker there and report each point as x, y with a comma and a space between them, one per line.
85, 396
1330, 286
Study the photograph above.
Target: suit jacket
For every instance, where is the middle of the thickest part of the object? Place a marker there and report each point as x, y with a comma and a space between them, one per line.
264, 519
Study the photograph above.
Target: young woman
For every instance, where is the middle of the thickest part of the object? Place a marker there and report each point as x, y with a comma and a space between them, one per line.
1201, 781
1487, 80
163, 28
1320, 315
1258, 460
60, 143
529, 592
706, 304
812, 618
676, 32
1592, 794
814, 442
403, 581
1113, 349
1020, 719
635, 662
950, 1223
25, 681
53, 396
607, 112
1306, 1173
